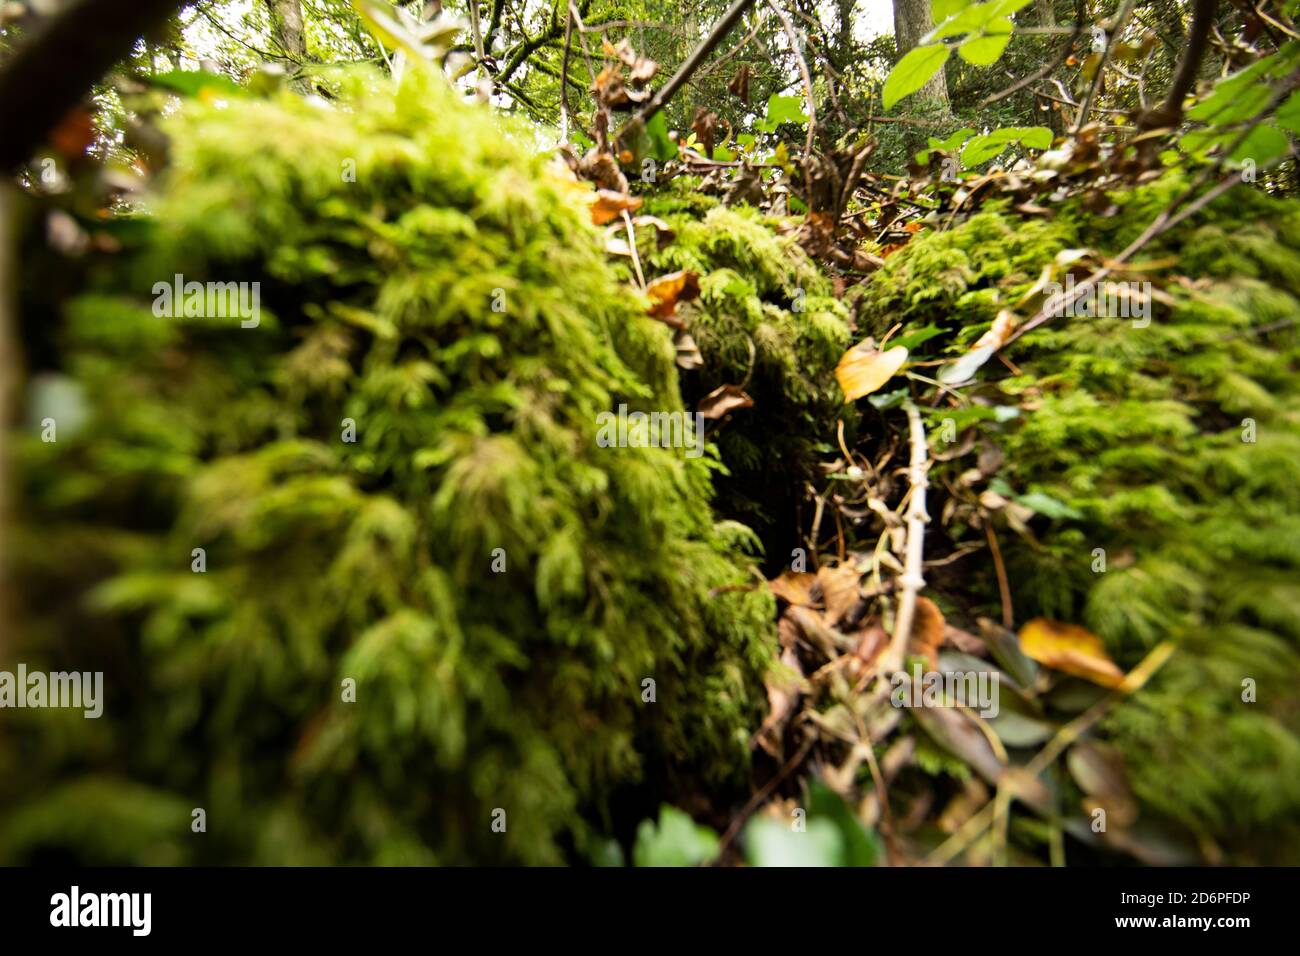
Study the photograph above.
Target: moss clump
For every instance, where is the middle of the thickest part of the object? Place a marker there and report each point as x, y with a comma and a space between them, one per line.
767, 317
1173, 448
496, 584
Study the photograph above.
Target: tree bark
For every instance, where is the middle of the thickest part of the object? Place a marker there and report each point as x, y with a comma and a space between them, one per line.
287, 28
912, 21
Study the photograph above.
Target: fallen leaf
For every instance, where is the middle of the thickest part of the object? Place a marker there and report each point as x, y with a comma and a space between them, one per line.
609, 205
997, 332
793, 587
785, 684
839, 590
723, 399
863, 369
1071, 649
688, 353
927, 632
1099, 771
666, 291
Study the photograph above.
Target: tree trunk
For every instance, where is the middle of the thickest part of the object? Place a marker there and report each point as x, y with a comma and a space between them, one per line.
912, 21
290, 39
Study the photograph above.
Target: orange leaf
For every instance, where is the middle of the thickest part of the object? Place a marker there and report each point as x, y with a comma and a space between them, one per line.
666, 291
927, 632
839, 591
794, 587
864, 368
609, 205
1069, 648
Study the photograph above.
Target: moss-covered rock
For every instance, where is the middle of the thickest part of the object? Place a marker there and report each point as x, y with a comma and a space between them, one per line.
1173, 448
395, 480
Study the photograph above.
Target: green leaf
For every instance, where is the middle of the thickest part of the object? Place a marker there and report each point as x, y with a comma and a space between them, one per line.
983, 148
913, 71
782, 109
859, 846
195, 82
914, 338
662, 146
942, 9
770, 842
676, 841
1263, 144
967, 20
985, 48
1047, 506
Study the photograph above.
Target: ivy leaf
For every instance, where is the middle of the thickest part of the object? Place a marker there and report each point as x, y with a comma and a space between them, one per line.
913, 71
677, 840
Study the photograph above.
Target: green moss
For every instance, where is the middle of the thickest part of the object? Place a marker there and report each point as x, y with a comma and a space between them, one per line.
767, 317
1142, 431
426, 277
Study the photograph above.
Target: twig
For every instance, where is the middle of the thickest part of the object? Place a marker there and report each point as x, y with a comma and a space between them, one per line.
1048, 67
1198, 38
692, 62
564, 77
631, 241
793, 37
912, 579
1004, 589
1116, 31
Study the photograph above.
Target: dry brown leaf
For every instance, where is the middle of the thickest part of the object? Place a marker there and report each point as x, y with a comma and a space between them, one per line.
739, 85
688, 353
793, 587
609, 205
864, 368
997, 332
705, 127
927, 632
784, 688
1071, 649
839, 591
666, 291
723, 399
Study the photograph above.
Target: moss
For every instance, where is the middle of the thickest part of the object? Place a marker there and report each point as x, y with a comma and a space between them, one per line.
1142, 432
767, 317
424, 276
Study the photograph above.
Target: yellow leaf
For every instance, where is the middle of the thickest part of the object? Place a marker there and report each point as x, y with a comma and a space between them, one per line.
1069, 648
864, 368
